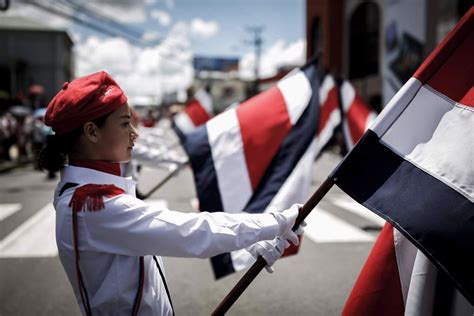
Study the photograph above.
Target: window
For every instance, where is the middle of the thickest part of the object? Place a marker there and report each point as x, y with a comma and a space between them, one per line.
364, 41
317, 36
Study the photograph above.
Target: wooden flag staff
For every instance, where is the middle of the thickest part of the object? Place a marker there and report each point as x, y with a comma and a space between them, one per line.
255, 269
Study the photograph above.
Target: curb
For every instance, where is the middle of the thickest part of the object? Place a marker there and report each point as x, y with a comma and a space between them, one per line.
10, 165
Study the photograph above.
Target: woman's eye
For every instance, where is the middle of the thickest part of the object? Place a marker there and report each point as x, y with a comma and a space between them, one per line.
125, 124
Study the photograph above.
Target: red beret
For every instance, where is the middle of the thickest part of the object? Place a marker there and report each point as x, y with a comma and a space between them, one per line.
83, 100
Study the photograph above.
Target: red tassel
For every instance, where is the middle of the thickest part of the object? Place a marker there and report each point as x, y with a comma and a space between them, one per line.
90, 197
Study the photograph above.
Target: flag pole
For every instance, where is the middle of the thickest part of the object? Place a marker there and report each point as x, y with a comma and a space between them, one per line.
312, 60
169, 176
258, 266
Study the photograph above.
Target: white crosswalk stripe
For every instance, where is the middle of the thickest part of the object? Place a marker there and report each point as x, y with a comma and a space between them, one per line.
324, 227
36, 236
350, 205
8, 209
33, 238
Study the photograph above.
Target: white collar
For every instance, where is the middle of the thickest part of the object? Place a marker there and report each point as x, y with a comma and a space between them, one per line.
82, 176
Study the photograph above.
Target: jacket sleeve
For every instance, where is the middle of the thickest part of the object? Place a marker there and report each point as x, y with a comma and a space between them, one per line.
129, 226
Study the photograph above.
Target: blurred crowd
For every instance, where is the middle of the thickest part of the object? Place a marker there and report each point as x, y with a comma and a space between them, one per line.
22, 130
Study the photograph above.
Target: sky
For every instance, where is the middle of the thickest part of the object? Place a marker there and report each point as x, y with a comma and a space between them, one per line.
175, 31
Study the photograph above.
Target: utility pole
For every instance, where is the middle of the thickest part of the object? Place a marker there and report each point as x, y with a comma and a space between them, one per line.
256, 41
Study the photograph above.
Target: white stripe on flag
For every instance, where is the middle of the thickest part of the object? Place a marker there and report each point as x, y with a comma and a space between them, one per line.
396, 106
347, 95
205, 100
434, 146
420, 300
370, 120
184, 123
296, 189
34, 238
405, 253
296, 91
326, 86
334, 118
326, 133
229, 161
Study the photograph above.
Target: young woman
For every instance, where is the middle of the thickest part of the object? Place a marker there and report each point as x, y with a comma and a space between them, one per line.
109, 241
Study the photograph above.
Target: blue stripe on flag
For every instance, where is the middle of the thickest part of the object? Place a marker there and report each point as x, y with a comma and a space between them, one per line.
436, 218
199, 151
197, 147
181, 135
222, 265
291, 150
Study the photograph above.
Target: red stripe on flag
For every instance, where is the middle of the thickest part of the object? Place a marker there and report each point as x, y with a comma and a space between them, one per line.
196, 113
450, 67
357, 118
455, 78
377, 291
331, 104
264, 123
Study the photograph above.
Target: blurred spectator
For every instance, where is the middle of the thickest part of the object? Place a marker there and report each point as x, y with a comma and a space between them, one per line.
39, 133
135, 118
7, 134
149, 120
35, 96
24, 122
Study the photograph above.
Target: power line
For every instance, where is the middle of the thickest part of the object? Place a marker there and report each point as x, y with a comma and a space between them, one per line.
90, 19
108, 21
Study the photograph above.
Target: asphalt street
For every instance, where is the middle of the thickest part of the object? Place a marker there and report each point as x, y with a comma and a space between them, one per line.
316, 281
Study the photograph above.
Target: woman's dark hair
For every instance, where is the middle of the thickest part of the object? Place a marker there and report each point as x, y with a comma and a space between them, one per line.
55, 151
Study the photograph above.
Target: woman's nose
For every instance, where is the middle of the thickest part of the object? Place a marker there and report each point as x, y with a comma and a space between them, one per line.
134, 133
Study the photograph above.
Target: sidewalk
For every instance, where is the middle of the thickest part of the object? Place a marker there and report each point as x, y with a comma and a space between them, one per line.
15, 162
6, 166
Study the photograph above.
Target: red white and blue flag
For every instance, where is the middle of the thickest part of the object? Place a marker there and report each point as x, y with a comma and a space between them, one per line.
414, 167
196, 113
257, 156
398, 279
330, 111
357, 116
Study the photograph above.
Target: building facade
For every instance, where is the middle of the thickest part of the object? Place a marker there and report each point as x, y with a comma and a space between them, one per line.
33, 55
378, 44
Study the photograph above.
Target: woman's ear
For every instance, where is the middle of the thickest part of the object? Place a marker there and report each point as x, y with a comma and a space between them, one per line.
91, 131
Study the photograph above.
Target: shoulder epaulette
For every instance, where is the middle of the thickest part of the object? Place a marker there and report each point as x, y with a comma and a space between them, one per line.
89, 197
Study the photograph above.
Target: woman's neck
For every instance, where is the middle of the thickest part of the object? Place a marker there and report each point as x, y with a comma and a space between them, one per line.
99, 165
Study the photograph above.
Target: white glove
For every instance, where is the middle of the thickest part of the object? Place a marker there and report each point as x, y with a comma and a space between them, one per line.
270, 250
286, 219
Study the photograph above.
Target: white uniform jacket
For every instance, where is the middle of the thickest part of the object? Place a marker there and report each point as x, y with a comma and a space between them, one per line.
112, 239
